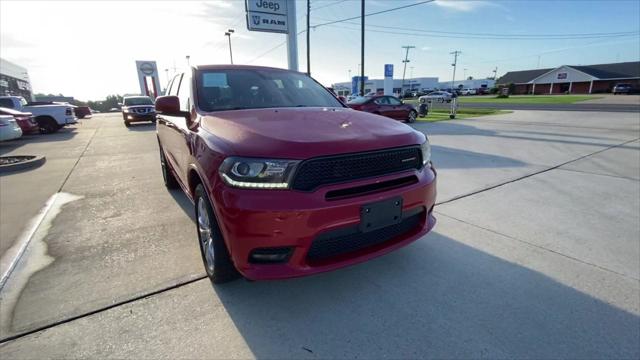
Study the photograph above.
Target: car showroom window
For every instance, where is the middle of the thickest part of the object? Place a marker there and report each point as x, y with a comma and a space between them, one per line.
184, 92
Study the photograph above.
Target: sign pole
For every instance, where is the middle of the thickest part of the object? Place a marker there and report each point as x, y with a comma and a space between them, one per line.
292, 36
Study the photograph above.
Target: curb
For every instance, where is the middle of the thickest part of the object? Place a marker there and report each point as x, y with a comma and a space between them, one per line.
31, 163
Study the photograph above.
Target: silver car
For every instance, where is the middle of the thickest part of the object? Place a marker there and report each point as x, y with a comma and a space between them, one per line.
441, 96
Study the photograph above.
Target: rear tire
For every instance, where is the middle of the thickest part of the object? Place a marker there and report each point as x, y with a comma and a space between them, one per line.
215, 256
169, 179
47, 124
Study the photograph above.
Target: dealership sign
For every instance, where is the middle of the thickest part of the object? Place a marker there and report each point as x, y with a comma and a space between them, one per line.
267, 15
562, 76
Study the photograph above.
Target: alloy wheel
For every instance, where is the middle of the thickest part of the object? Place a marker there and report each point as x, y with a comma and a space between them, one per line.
206, 238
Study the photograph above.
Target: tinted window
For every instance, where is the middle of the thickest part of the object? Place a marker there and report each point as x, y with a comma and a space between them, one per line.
382, 101
359, 100
394, 101
259, 88
7, 103
133, 101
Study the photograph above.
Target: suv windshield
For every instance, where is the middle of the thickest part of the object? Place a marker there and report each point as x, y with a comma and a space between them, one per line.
254, 89
133, 101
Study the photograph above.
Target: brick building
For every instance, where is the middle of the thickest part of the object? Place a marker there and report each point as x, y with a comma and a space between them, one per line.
573, 79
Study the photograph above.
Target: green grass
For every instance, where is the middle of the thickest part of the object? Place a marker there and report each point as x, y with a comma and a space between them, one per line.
527, 99
440, 115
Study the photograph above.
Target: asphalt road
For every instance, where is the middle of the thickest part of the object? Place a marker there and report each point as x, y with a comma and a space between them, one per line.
535, 254
558, 107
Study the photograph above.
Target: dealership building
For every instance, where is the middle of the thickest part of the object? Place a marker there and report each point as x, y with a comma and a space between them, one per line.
14, 80
377, 85
573, 79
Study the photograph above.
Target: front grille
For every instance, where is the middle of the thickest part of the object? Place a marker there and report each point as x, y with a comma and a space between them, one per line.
341, 242
343, 168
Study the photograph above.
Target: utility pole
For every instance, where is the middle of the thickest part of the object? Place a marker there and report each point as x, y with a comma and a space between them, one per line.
308, 38
228, 34
362, 48
455, 64
495, 73
405, 61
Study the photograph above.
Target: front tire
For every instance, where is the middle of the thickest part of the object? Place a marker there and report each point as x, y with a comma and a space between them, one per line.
215, 256
412, 116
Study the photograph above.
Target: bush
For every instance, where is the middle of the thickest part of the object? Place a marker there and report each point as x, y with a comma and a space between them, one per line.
494, 90
501, 96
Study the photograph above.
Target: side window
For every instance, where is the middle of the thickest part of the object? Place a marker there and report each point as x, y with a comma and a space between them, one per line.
185, 92
173, 88
382, 101
394, 101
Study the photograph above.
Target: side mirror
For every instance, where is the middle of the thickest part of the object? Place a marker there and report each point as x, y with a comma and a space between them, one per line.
168, 105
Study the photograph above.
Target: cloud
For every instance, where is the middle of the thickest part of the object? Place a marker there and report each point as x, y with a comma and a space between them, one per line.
458, 5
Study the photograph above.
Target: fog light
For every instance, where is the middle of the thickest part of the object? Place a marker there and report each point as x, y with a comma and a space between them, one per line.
270, 255
129, 117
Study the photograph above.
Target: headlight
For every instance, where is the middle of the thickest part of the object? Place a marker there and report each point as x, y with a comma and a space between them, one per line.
426, 152
251, 173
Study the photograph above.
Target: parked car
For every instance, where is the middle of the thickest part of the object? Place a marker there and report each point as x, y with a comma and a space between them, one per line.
82, 111
114, 109
286, 180
389, 106
468, 92
50, 117
441, 96
24, 120
484, 91
9, 128
622, 89
137, 109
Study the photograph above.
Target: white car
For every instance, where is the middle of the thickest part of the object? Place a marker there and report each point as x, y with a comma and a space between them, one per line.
50, 117
468, 92
441, 96
9, 128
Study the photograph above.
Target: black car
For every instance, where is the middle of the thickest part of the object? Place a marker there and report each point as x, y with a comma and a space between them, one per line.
138, 108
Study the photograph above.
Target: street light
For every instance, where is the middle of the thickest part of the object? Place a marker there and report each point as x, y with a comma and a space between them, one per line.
188, 62
228, 33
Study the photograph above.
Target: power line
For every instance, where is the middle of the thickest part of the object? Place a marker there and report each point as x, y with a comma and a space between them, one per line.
412, 32
273, 48
373, 13
327, 5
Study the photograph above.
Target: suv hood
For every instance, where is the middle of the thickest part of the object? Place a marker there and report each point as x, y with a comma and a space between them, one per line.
302, 133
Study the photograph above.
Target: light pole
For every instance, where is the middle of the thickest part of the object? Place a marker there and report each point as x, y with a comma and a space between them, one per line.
228, 33
349, 74
188, 62
464, 74
166, 71
455, 64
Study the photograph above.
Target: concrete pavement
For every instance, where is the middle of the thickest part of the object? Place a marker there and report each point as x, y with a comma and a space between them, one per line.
535, 255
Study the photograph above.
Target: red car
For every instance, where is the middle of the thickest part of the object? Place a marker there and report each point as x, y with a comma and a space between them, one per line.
285, 179
82, 111
24, 120
389, 106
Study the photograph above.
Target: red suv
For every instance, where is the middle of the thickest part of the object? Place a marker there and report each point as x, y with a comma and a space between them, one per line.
285, 179
389, 106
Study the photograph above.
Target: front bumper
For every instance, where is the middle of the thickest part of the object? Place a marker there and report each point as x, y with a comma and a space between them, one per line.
132, 117
255, 219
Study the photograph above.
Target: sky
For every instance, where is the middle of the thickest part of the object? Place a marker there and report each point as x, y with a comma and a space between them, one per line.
87, 49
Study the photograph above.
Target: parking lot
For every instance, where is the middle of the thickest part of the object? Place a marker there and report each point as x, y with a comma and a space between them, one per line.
536, 254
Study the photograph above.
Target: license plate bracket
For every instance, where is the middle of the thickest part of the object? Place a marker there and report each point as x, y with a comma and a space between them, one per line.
380, 214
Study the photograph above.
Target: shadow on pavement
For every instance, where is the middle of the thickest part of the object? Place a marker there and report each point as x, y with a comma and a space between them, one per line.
450, 158
453, 128
185, 204
142, 127
437, 298
62, 135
